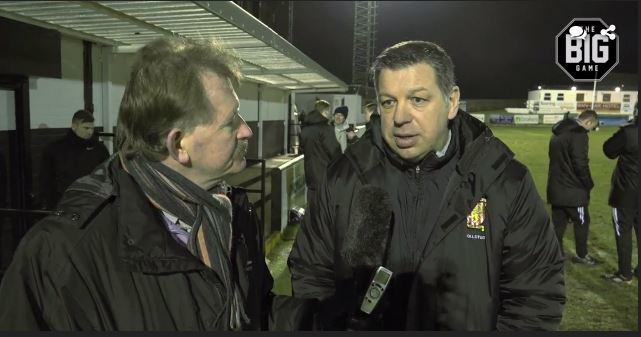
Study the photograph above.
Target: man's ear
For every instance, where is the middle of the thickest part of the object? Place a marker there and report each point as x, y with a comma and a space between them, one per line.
173, 142
454, 97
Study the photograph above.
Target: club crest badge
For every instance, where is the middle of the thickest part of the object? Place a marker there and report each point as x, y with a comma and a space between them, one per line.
476, 219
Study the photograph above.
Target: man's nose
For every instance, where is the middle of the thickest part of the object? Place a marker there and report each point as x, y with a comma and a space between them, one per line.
245, 132
402, 114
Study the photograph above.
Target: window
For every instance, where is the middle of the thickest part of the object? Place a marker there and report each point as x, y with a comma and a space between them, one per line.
560, 97
606, 97
626, 98
547, 96
580, 97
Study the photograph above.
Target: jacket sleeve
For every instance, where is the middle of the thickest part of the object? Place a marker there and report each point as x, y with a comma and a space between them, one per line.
311, 260
532, 288
579, 159
28, 298
615, 145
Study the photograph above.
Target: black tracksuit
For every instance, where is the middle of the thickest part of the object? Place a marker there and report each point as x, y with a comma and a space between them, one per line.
624, 192
570, 182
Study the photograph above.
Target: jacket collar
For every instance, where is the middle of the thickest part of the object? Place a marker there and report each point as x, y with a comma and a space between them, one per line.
143, 241
470, 132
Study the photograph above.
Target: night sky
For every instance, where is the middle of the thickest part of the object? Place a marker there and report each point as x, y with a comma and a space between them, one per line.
500, 49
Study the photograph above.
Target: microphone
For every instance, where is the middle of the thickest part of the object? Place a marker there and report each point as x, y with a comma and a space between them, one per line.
365, 249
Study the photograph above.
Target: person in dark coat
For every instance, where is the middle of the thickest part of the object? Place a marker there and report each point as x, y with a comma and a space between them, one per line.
69, 158
320, 147
624, 195
570, 181
318, 143
153, 239
471, 246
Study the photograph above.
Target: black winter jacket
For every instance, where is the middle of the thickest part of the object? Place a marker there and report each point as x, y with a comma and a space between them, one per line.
506, 276
64, 161
624, 144
569, 179
106, 261
319, 145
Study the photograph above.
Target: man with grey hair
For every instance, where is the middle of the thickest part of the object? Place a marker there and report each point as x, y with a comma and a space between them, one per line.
153, 239
471, 246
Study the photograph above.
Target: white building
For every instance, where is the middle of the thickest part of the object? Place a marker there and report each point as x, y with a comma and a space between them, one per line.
546, 101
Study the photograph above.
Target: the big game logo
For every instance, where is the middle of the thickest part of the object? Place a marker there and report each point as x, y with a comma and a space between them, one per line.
587, 49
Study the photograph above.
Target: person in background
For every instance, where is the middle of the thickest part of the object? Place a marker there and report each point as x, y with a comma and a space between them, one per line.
344, 131
69, 158
569, 181
623, 145
153, 239
320, 147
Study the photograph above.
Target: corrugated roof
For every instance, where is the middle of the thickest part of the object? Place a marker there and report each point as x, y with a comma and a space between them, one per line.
128, 25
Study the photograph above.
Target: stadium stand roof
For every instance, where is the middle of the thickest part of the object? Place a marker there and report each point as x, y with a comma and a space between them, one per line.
128, 25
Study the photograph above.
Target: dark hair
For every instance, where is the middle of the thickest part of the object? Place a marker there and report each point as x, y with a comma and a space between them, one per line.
409, 53
589, 114
165, 90
82, 116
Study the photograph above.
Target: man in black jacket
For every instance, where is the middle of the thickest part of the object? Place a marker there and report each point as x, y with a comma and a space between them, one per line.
320, 147
153, 239
624, 194
67, 159
570, 182
471, 245
318, 143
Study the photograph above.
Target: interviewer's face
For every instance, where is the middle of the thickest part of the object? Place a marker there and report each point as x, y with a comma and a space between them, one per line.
217, 149
414, 112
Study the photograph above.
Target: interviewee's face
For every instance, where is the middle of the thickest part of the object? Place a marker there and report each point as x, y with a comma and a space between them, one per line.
218, 148
414, 113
